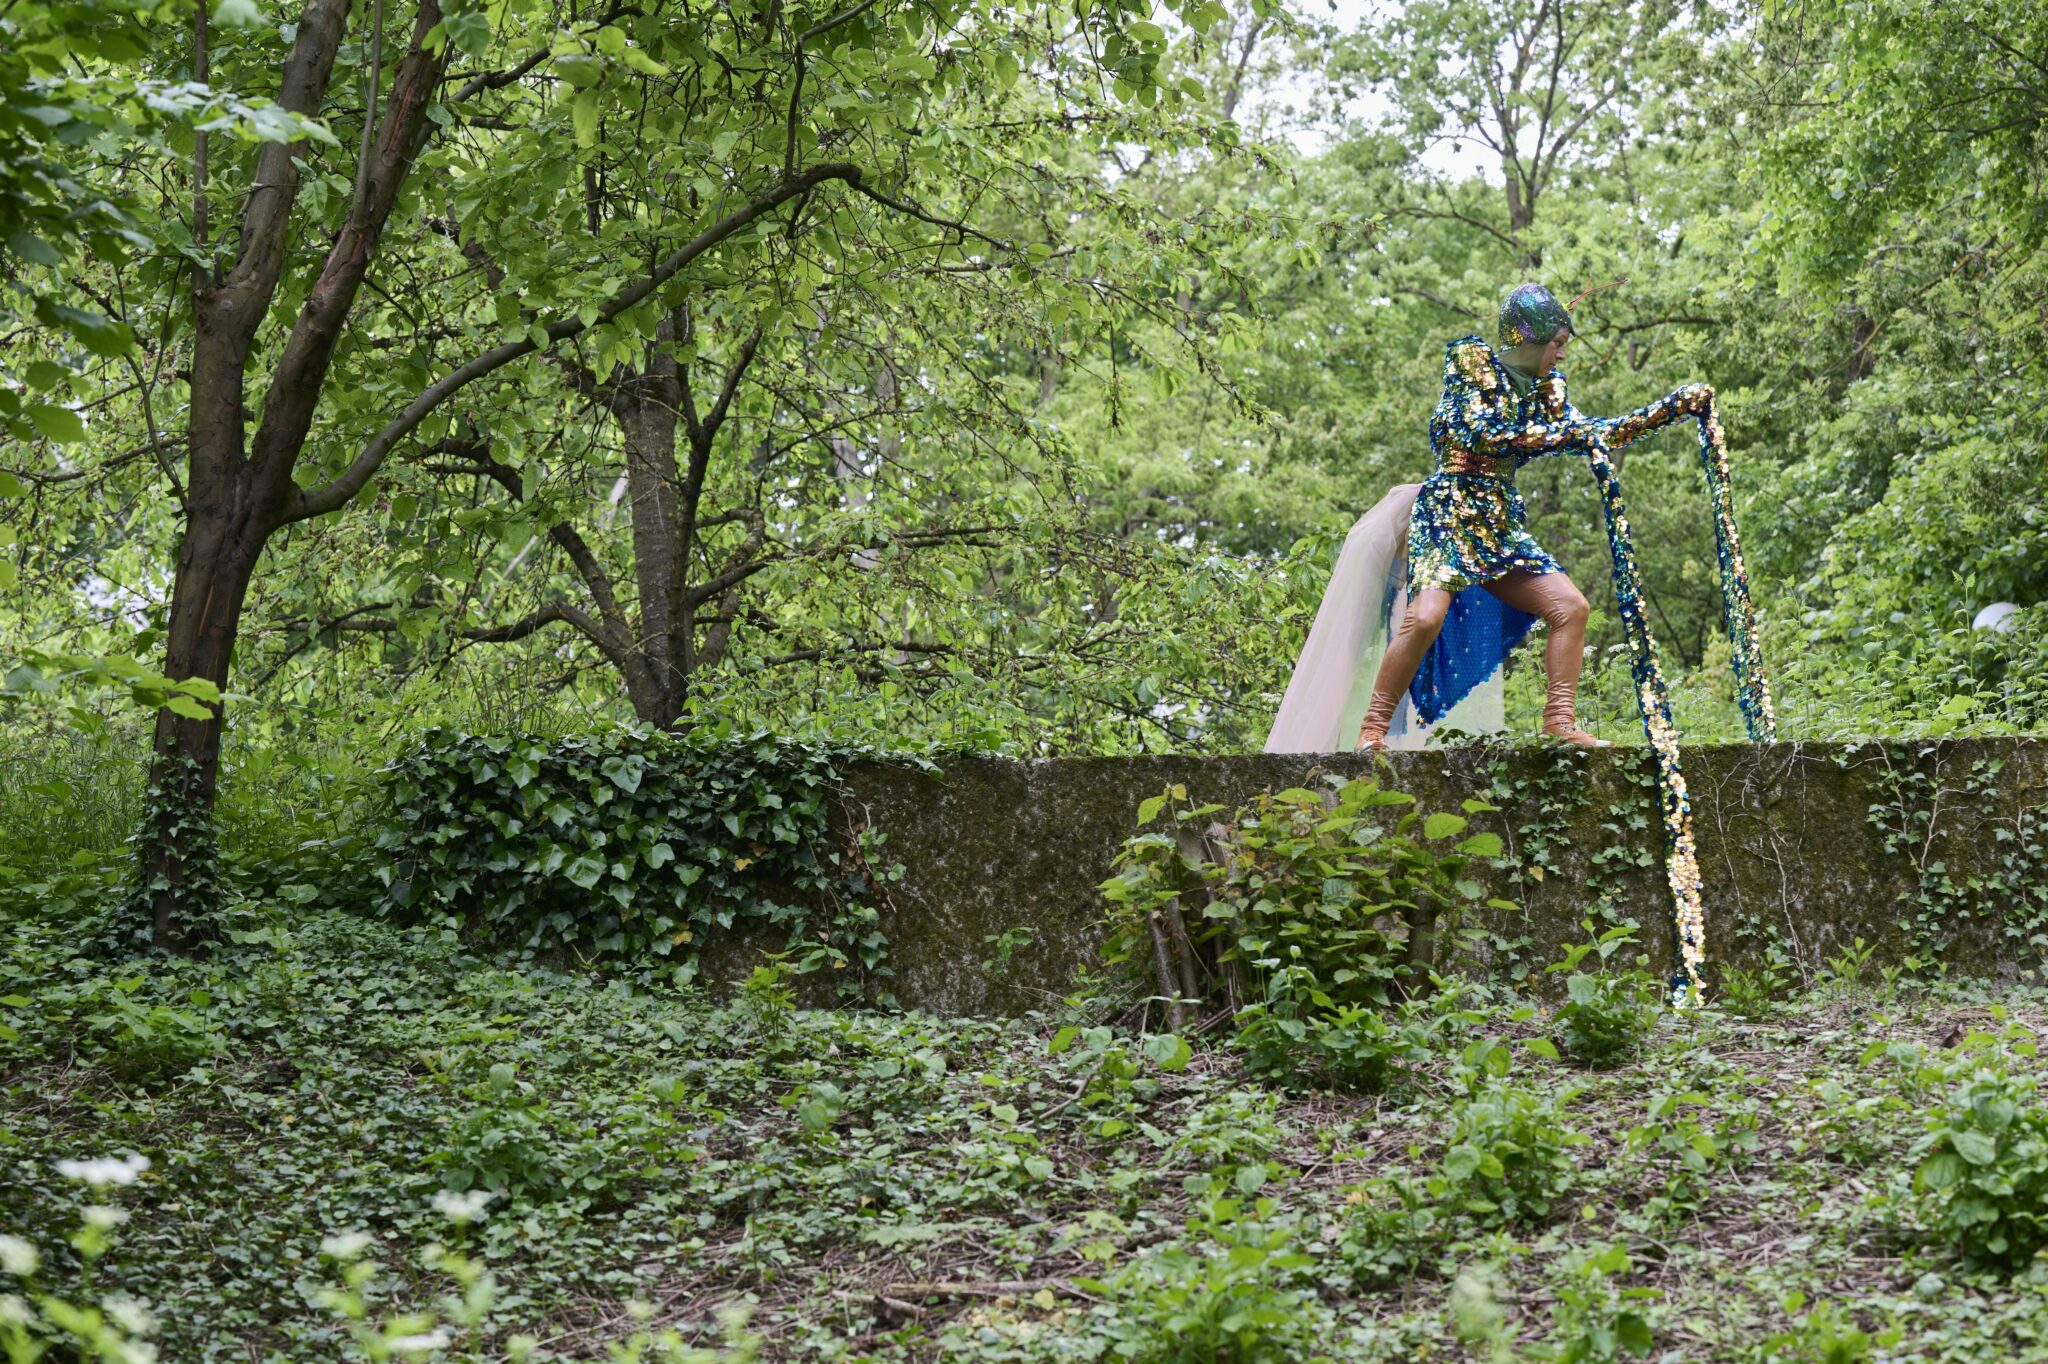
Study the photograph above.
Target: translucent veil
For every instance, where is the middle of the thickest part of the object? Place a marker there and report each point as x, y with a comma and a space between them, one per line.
1332, 683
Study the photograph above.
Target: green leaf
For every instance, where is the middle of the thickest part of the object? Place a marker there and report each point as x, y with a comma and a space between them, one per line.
100, 335
584, 871
1975, 1147
1543, 1046
1443, 824
57, 423
580, 69
1168, 1052
639, 61
237, 14
1941, 1170
470, 31
624, 772
177, 703
583, 115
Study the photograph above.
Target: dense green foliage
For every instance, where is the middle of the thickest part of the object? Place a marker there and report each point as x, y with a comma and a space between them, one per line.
394, 398
1300, 915
632, 843
356, 1132
982, 482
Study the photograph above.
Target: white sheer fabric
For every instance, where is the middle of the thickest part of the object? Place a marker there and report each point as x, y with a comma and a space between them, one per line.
1332, 683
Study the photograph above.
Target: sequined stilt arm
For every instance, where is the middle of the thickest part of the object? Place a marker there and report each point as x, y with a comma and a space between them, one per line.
1752, 686
1681, 858
1497, 437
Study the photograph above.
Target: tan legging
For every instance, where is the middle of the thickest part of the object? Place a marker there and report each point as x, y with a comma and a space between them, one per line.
1551, 596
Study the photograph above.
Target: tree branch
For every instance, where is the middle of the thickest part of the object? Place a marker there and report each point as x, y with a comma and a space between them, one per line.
337, 493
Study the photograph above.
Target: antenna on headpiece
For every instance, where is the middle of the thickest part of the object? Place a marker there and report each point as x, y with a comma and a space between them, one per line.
1594, 290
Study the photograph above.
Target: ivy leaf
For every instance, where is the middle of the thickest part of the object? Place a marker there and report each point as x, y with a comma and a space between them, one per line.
584, 871
623, 771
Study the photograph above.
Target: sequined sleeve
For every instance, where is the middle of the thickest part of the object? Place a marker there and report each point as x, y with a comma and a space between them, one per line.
1467, 376
1691, 401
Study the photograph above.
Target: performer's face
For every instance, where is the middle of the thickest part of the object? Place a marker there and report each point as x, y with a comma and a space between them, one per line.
1553, 351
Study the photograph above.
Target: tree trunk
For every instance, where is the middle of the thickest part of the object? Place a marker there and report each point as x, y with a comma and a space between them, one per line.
648, 408
215, 566
235, 503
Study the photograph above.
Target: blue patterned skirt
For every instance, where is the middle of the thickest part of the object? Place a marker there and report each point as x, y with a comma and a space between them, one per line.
1466, 530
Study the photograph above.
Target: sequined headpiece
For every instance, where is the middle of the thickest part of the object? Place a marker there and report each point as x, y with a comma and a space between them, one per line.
1531, 312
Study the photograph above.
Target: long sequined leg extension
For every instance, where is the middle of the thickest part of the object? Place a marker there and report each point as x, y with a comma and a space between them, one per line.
1681, 860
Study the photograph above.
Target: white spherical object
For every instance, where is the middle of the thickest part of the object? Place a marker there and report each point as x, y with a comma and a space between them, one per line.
1997, 616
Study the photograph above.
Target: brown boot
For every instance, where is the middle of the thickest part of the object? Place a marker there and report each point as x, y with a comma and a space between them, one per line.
1553, 597
1372, 731
1570, 733
1420, 622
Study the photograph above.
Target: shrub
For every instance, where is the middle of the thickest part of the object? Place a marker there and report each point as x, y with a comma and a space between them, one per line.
1605, 1017
1226, 1296
1985, 1169
1307, 913
1508, 1157
631, 842
1595, 1322
1391, 1229
1685, 1155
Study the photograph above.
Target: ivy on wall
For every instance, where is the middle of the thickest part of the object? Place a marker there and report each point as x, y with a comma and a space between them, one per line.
1543, 795
635, 843
1927, 813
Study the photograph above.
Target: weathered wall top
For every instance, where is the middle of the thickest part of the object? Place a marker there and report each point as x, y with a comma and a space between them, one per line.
1930, 849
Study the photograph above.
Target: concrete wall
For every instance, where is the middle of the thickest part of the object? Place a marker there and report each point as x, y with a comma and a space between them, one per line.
1790, 854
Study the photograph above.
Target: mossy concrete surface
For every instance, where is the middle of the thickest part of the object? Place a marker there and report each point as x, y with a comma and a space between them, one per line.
1791, 837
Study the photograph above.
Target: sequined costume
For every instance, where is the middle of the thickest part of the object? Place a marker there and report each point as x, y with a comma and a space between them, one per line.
1467, 528
1469, 525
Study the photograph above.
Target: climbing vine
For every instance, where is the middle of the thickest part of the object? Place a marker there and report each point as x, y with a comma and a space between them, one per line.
1543, 795
1923, 815
636, 843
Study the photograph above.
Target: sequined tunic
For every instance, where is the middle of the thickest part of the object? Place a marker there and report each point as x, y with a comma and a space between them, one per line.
1469, 525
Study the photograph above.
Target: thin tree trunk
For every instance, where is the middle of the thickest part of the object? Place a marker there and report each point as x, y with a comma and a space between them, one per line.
649, 412
215, 566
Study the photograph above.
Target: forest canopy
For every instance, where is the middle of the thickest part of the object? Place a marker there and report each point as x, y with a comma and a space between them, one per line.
926, 375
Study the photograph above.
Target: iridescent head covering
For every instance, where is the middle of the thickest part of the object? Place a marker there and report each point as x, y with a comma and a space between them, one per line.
1531, 312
